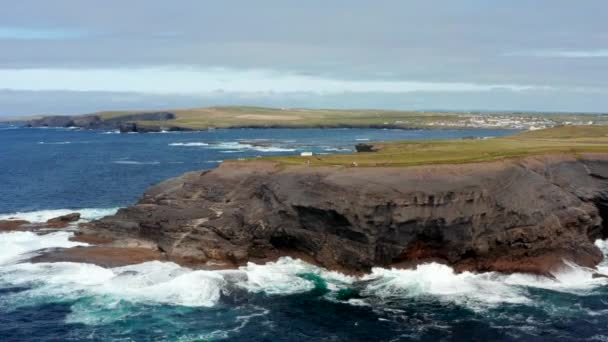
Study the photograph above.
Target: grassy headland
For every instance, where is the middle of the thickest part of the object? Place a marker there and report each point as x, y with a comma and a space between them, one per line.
566, 139
235, 116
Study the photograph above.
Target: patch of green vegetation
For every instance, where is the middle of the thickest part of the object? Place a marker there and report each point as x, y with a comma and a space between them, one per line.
243, 116
569, 140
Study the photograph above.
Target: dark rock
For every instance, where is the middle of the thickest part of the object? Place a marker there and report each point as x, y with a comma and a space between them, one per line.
103, 256
51, 121
11, 225
72, 217
365, 148
508, 216
125, 123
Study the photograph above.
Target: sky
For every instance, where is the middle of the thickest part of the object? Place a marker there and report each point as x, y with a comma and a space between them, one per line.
74, 56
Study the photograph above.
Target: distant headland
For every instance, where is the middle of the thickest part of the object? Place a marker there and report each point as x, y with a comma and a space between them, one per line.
259, 117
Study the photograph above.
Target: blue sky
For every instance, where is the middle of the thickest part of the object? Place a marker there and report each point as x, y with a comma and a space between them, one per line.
70, 56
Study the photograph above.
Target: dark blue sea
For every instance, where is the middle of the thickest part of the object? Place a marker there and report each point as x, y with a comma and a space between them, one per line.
47, 172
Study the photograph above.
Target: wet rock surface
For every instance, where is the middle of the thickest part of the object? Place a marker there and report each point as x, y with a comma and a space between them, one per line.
509, 216
104, 256
59, 222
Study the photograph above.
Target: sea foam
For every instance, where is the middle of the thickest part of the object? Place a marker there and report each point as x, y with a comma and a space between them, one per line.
86, 214
189, 144
15, 246
170, 284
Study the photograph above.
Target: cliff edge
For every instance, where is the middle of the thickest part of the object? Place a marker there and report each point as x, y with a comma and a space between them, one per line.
515, 215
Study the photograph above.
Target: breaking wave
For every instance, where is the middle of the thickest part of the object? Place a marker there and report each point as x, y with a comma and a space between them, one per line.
170, 284
86, 214
189, 144
16, 246
234, 146
54, 143
134, 162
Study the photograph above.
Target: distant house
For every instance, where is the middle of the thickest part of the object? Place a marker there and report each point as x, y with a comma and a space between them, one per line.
306, 154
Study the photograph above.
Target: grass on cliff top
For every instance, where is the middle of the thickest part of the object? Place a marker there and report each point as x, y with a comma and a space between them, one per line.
234, 116
567, 139
246, 116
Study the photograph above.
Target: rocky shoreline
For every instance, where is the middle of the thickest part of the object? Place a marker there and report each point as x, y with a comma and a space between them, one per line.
521, 215
124, 123
527, 215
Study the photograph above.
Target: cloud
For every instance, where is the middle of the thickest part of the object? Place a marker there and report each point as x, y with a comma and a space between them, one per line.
561, 53
31, 33
384, 46
17, 103
180, 80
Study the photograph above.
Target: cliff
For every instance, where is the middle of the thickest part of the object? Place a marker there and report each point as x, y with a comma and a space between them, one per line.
124, 123
516, 215
259, 117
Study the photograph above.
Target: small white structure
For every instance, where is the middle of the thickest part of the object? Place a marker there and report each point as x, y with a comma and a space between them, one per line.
306, 154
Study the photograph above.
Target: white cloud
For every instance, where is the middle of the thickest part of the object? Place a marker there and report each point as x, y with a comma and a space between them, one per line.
560, 53
171, 80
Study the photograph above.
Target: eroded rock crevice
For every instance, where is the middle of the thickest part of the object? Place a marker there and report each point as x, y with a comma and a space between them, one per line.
602, 207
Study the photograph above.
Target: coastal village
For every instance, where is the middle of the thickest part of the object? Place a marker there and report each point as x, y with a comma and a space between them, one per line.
515, 121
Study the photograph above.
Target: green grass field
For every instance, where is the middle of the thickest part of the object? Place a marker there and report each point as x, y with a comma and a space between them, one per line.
242, 116
567, 139
226, 117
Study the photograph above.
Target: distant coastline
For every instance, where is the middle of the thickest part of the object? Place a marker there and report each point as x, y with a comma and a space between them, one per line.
258, 117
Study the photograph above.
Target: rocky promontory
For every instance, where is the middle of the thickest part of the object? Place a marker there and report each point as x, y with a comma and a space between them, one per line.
123, 123
516, 215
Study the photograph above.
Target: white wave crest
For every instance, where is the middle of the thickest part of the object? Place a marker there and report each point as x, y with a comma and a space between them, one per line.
189, 144
151, 282
54, 143
133, 162
168, 283
442, 282
86, 214
15, 246
274, 149
280, 277
245, 146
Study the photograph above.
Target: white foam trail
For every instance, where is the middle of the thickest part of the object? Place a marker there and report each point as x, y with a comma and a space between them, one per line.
189, 144
15, 246
54, 143
274, 149
86, 214
133, 162
337, 149
243, 146
111, 132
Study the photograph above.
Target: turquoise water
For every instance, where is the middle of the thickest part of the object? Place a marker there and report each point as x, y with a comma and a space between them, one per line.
46, 172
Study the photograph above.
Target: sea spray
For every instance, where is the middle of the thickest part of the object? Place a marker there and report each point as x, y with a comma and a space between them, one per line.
86, 214
163, 283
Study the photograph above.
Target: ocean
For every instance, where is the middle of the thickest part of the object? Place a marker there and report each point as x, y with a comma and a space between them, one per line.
48, 172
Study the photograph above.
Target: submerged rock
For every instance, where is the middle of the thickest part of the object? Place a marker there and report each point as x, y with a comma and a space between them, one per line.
524, 215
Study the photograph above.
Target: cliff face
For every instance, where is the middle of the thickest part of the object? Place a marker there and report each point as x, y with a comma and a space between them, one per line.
510, 216
124, 123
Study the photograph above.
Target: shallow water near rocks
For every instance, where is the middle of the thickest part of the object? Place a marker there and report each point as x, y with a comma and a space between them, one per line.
48, 172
